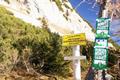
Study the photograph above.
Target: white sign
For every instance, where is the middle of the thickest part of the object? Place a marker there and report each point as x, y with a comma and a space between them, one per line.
99, 62
101, 43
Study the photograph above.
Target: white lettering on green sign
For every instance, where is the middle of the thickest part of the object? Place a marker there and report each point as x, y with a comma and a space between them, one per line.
103, 24
100, 54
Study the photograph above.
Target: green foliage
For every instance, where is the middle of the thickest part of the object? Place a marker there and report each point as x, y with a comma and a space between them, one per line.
38, 46
112, 59
68, 7
44, 50
88, 50
113, 56
44, 23
7, 1
4, 11
114, 43
49, 56
66, 17
59, 4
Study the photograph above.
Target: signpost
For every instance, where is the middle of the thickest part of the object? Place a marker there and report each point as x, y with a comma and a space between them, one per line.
75, 40
103, 43
103, 25
102, 34
100, 59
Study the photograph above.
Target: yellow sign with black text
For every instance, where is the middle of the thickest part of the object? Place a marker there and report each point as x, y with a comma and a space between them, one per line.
74, 39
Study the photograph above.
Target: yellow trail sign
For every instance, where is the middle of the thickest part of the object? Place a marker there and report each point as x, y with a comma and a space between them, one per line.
74, 39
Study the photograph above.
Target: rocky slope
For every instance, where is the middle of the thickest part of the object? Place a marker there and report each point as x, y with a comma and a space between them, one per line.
59, 15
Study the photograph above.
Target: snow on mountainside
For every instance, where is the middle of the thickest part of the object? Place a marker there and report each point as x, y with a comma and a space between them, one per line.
59, 14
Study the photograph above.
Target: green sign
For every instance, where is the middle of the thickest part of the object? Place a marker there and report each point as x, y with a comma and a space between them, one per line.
103, 43
103, 23
100, 58
102, 34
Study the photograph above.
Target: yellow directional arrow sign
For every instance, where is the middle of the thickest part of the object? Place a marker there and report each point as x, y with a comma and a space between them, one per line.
74, 39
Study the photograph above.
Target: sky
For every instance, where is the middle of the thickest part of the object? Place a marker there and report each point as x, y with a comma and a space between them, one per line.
90, 13
86, 10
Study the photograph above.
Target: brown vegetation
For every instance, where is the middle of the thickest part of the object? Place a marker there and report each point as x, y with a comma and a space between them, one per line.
114, 10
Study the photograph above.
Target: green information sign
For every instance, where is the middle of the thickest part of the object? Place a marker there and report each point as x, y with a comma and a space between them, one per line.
103, 23
102, 34
103, 43
100, 58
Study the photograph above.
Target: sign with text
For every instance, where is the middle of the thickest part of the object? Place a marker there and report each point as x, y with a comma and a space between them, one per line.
100, 58
103, 43
103, 23
74, 39
102, 34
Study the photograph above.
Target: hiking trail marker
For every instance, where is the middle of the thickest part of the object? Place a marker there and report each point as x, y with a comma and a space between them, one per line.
102, 32
75, 40
100, 58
